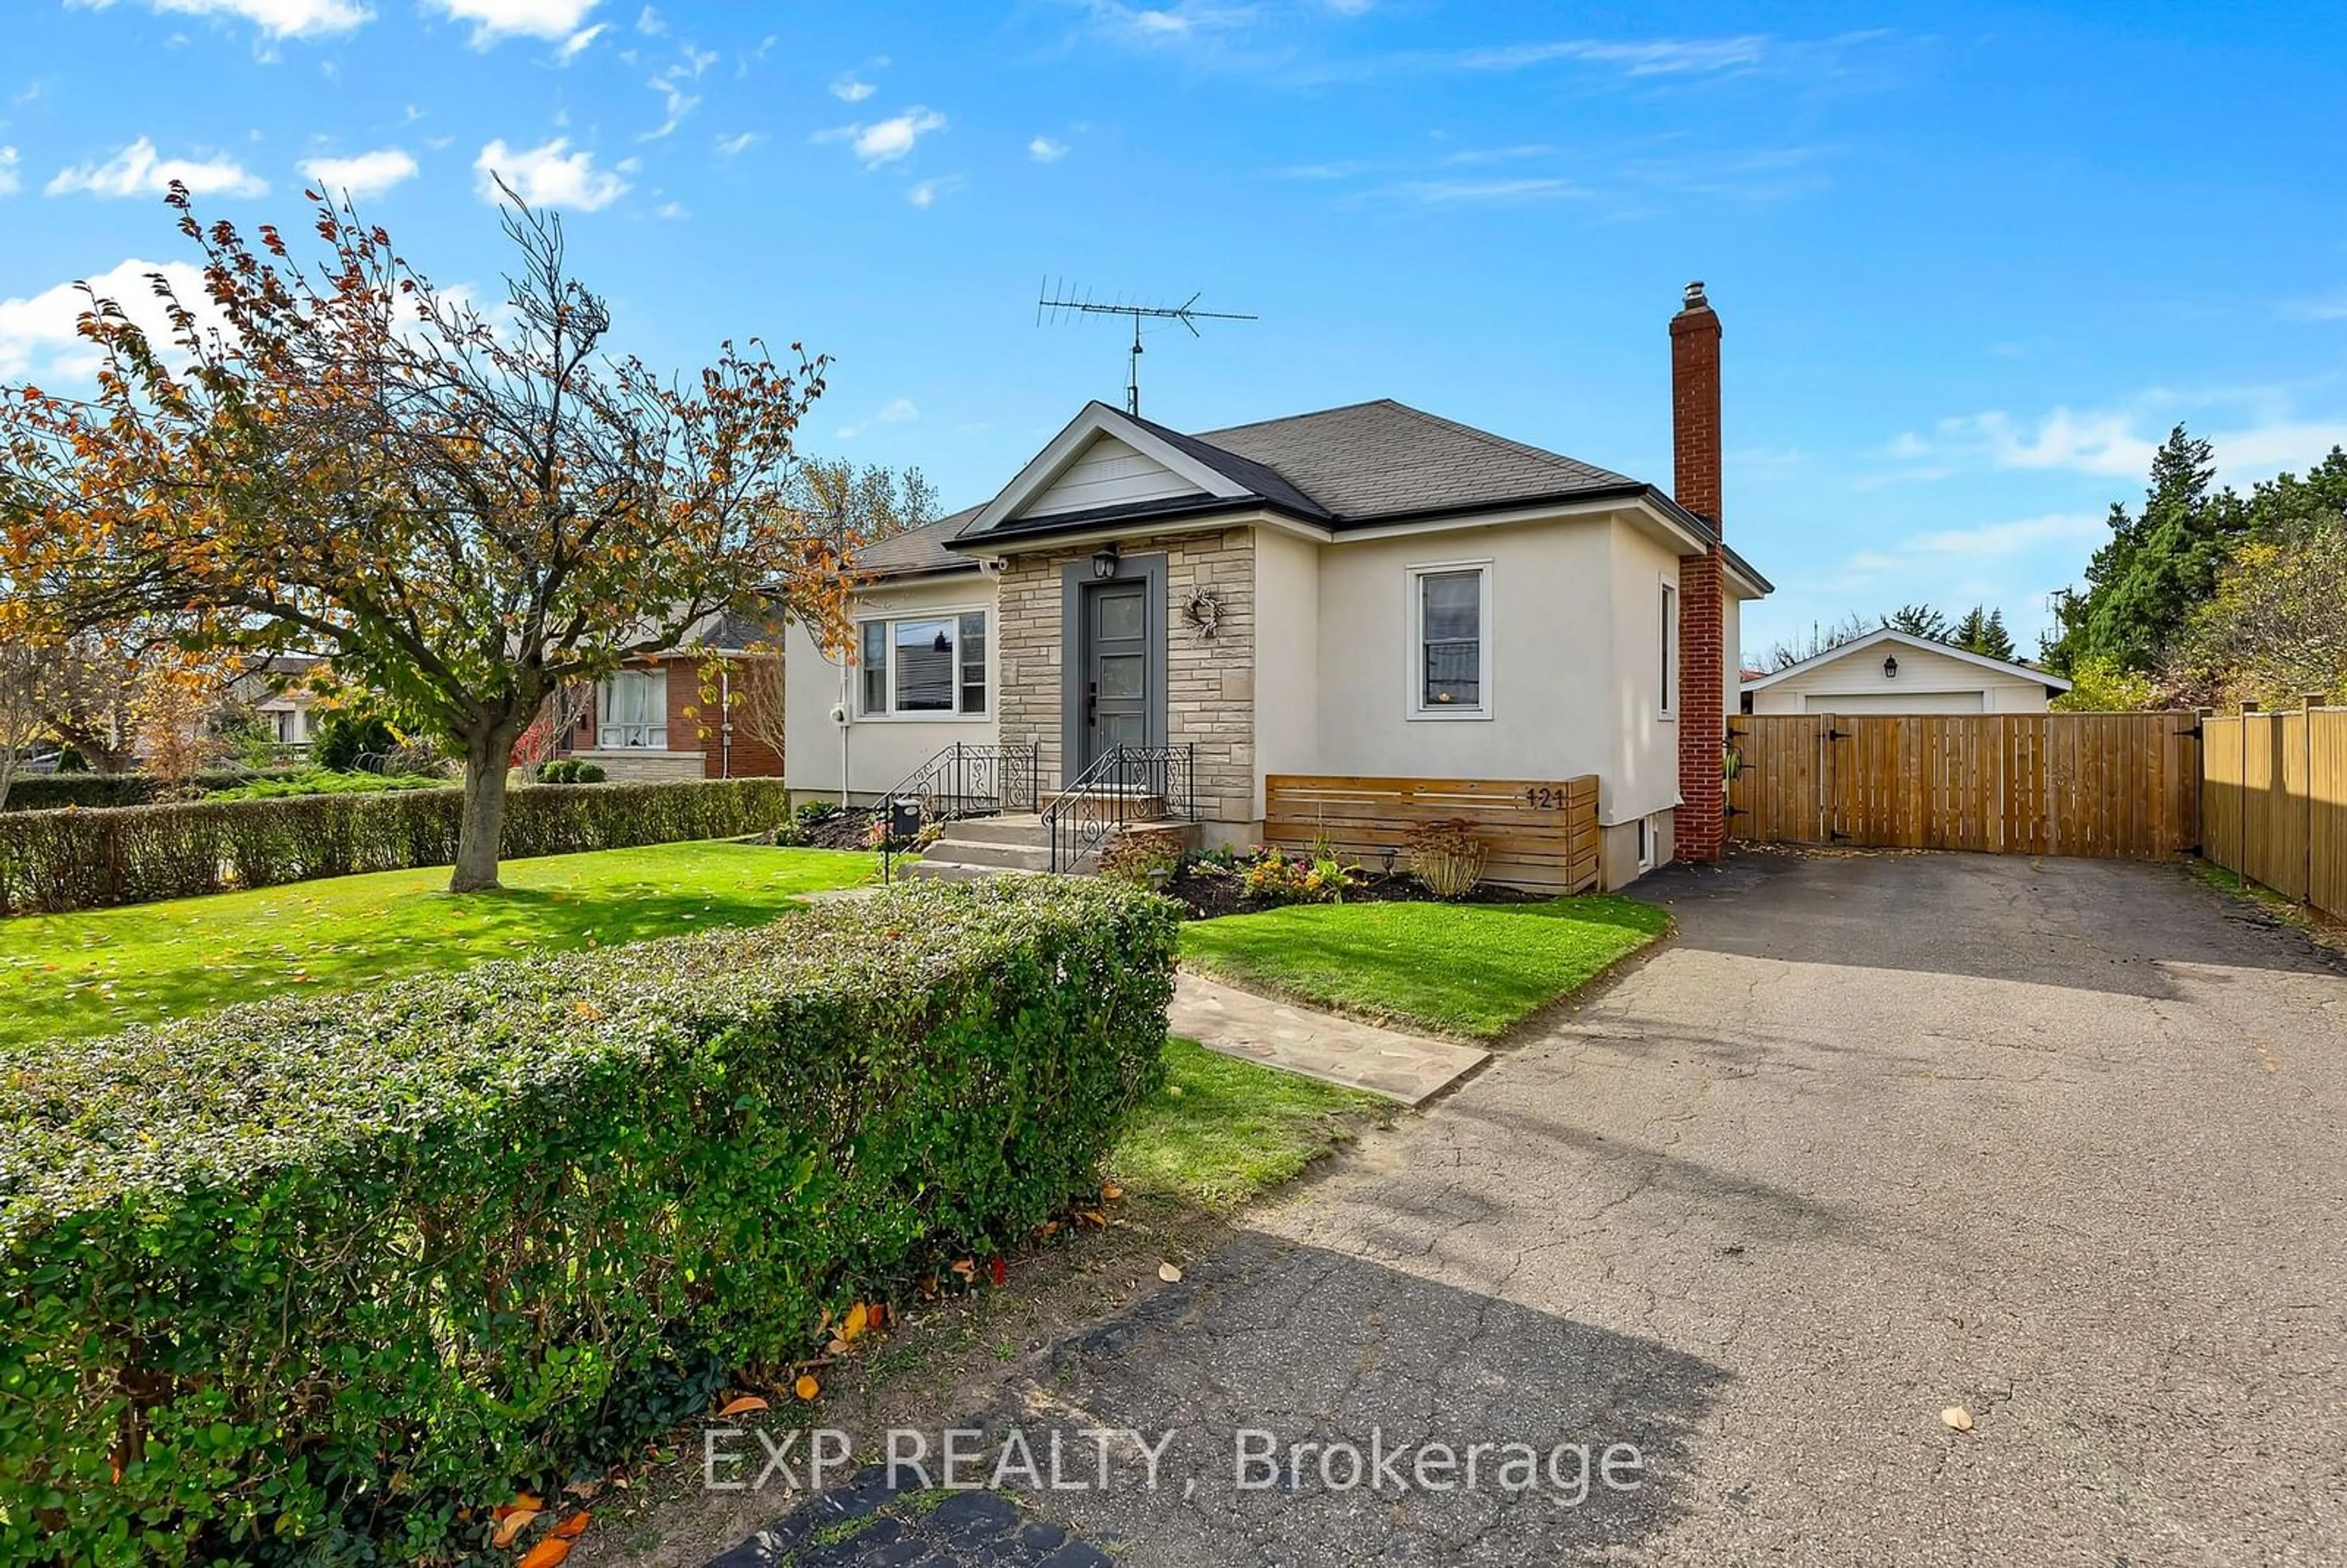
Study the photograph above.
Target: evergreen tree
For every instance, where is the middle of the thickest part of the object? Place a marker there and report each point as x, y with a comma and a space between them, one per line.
1982, 630
1918, 620
2157, 569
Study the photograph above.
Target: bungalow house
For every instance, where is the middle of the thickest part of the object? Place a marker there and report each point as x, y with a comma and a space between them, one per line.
1369, 593
1893, 672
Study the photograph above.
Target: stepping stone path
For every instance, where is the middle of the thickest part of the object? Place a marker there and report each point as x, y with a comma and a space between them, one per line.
865, 1524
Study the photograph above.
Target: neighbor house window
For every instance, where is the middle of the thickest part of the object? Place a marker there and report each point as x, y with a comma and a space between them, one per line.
631, 709
924, 666
1670, 672
1450, 651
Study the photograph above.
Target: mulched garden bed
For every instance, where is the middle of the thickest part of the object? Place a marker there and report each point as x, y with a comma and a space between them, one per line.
1206, 890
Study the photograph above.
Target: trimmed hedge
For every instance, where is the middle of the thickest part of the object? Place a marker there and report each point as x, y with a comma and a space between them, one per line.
56, 861
94, 791
319, 1275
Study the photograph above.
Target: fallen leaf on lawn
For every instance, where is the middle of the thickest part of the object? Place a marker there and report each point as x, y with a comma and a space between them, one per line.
1169, 1274
997, 1271
807, 1388
1958, 1418
743, 1406
1110, 1193
965, 1268
511, 1523
1091, 1217
572, 1528
582, 1489
879, 1314
546, 1553
858, 1320
1048, 1229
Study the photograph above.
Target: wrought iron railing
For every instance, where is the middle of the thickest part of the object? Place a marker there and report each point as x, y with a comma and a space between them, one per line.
960, 780
1124, 784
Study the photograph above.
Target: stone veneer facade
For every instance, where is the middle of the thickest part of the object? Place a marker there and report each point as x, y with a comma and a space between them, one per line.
1209, 681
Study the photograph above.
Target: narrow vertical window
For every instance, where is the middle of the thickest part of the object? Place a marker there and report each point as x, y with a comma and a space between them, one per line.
973, 661
875, 660
1670, 649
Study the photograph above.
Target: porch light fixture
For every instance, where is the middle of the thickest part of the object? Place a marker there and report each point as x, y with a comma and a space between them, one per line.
1104, 560
1891, 667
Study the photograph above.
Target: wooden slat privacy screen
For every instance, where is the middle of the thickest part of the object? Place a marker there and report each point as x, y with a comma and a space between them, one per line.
1542, 833
2112, 785
2274, 801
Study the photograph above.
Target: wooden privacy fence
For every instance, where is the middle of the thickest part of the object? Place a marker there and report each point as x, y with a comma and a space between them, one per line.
2113, 785
2274, 801
1542, 833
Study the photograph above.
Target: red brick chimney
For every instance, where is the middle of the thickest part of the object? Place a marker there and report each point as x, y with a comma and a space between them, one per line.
1701, 826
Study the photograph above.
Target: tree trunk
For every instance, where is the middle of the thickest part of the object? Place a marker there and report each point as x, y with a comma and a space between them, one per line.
482, 825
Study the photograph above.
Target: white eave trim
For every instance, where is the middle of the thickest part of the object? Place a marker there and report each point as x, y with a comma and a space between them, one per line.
982, 548
1098, 419
1909, 639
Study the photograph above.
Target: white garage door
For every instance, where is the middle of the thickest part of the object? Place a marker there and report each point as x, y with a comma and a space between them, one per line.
1895, 703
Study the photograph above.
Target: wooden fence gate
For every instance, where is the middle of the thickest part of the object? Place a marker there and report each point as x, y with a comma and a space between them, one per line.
2113, 785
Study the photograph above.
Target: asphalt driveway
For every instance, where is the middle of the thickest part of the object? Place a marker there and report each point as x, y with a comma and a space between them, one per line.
2061, 1143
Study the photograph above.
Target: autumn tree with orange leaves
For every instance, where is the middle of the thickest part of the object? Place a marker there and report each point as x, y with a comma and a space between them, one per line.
468, 510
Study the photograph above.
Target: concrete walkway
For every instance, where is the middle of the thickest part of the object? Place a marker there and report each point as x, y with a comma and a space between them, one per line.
1405, 1067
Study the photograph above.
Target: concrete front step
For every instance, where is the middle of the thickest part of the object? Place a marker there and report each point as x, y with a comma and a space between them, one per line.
930, 868
1027, 829
1034, 856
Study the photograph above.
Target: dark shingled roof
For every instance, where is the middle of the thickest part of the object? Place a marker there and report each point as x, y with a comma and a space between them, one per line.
1387, 460
918, 550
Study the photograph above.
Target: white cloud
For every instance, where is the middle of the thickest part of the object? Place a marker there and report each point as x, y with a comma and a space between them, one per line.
648, 23
895, 411
277, 18
1168, 24
1659, 57
576, 44
925, 193
886, 141
362, 174
550, 176
38, 337
1454, 192
735, 146
2119, 443
138, 170
2000, 541
8, 180
671, 85
496, 19
851, 91
1043, 149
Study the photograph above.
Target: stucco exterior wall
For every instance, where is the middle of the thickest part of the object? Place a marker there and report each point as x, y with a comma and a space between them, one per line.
1287, 657
1576, 607
1210, 681
1930, 678
880, 750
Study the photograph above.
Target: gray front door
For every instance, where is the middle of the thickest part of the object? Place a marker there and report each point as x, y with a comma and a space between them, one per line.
1117, 697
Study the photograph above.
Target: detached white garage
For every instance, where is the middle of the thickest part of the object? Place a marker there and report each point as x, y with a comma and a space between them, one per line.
1889, 671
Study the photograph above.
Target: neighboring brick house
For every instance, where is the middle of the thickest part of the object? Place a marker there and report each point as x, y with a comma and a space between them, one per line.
1369, 592
672, 715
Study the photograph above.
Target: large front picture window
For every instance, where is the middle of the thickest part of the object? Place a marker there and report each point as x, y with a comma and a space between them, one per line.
927, 666
1450, 642
633, 711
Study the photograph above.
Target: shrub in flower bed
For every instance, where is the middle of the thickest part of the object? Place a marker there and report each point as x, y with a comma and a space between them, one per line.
320, 1279
61, 860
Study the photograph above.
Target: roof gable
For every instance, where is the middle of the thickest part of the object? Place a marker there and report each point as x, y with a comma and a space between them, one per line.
1896, 638
1041, 475
1108, 472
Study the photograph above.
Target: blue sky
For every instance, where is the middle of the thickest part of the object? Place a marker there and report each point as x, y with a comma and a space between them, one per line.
1973, 261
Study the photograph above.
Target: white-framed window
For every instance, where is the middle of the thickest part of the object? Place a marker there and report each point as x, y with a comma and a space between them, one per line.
1670, 660
923, 666
1450, 610
631, 711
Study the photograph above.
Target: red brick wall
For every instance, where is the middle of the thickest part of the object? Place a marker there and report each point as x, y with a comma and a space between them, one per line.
1700, 830
696, 720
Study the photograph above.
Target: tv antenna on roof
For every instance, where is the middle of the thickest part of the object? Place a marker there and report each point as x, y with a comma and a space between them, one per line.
1055, 300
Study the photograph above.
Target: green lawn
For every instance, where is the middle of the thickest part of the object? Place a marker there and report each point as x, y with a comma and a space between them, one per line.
1223, 1130
95, 971
1470, 969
